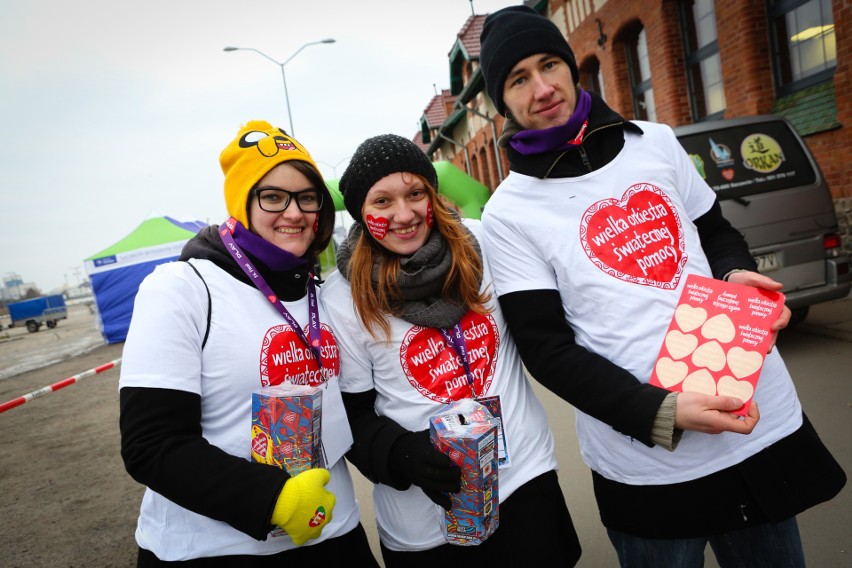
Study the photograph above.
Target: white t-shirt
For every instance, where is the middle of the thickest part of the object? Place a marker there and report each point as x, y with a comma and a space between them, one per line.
415, 375
245, 350
617, 244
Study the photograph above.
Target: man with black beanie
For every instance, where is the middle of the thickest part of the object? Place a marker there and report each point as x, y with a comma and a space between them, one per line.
591, 237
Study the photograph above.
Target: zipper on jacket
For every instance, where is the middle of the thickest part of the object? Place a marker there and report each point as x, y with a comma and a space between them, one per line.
581, 149
585, 157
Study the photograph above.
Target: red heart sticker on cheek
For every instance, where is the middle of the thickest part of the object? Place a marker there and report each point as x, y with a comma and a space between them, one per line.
378, 226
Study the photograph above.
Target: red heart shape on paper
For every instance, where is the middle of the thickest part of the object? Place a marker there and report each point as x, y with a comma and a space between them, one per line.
290, 418
434, 368
259, 442
637, 238
284, 355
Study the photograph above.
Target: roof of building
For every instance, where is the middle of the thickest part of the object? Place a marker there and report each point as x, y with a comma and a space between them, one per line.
436, 111
468, 35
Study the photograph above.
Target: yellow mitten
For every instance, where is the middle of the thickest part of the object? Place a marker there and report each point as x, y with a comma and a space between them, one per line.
304, 506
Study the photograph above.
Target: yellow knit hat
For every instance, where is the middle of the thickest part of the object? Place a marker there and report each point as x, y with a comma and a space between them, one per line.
258, 148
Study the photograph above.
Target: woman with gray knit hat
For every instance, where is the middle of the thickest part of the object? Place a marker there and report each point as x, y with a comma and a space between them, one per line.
419, 329
239, 314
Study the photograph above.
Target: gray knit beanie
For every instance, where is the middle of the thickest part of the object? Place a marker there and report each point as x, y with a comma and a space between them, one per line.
377, 157
512, 34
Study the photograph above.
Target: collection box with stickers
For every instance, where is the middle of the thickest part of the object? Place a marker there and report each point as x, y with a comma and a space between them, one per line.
717, 339
286, 422
467, 433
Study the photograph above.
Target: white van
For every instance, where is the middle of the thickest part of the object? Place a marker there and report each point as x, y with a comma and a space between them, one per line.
772, 190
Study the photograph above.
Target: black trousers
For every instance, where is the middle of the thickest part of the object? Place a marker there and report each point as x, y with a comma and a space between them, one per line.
348, 550
535, 530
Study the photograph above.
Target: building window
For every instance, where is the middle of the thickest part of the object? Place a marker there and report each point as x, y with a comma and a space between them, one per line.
703, 66
639, 69
805, 52
591, 77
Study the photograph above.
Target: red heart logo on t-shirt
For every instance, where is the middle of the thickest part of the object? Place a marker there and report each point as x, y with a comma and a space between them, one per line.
637, 238
284, 355
434, 368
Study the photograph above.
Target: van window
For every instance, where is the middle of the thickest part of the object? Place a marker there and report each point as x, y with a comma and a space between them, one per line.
770, 189
749, 159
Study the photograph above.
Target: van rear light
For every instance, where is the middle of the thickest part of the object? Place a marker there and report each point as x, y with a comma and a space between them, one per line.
830, 241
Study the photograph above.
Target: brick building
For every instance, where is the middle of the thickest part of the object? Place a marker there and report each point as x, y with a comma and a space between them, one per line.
677, 62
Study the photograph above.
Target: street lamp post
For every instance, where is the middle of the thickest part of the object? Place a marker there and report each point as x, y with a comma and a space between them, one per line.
334, 167
283, 75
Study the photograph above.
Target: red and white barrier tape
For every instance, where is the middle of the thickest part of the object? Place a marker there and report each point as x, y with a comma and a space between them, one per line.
56, 386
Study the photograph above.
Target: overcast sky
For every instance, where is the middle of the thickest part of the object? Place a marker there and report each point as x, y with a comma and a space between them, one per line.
114, 111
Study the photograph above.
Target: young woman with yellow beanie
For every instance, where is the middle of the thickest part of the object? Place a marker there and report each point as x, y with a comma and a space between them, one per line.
241, 312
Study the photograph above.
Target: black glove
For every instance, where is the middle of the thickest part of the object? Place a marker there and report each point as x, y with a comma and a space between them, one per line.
414, 458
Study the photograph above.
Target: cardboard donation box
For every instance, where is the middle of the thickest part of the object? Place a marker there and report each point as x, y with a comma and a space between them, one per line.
467, 433
286, 423
717, 340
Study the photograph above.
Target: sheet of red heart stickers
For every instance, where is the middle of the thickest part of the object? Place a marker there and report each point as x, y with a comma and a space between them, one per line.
717, 339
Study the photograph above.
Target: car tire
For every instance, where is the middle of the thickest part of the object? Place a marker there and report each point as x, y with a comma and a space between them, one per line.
798, 316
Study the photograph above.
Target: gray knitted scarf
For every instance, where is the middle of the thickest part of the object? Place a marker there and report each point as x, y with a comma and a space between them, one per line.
421, 280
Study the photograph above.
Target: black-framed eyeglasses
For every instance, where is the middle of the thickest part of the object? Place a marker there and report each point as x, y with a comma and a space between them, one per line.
276, 200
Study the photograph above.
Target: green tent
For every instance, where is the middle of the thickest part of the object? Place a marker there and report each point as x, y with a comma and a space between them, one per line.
468, 194
334, 188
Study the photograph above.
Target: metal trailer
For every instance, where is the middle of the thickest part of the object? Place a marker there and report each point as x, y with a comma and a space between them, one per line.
35, 312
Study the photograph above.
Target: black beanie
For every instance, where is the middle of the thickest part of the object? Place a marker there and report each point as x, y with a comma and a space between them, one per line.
377, 157
511, 34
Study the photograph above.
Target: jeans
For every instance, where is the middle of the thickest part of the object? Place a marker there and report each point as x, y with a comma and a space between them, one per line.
762, 546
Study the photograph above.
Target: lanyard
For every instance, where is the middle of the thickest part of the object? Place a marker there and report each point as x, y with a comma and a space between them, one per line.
456, 341
255, 277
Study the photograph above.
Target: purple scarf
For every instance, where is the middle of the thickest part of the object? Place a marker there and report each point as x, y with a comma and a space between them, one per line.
274, 258
565, 137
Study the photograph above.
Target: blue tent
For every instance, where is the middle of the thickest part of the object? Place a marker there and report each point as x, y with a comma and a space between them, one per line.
117, 271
